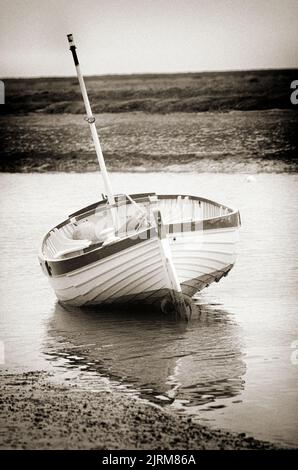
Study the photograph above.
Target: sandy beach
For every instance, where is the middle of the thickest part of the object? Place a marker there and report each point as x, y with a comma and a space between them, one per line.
37, 414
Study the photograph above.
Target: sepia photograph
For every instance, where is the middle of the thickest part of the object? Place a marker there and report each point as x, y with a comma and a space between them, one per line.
148, 210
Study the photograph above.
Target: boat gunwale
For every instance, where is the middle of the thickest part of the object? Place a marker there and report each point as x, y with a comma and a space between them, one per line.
142, 197
191, 226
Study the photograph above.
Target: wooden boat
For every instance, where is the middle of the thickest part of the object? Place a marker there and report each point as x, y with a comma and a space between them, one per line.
151, 249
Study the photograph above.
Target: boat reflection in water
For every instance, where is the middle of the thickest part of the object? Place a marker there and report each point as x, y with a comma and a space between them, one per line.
160, 358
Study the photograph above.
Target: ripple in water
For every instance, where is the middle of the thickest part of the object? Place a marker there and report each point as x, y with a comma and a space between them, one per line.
165, 360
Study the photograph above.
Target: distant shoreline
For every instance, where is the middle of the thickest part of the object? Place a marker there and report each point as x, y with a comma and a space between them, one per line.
152, 74
153, 93
229, 122
263, 141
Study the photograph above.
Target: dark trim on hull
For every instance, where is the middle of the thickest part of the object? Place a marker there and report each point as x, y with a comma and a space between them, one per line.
96, 251
64, 266
227, 221
192, 286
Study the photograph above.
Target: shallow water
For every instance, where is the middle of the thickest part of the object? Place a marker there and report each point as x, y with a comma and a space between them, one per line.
233, 366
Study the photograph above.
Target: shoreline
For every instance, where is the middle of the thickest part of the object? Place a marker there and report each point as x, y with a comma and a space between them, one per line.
37, 414
203, 165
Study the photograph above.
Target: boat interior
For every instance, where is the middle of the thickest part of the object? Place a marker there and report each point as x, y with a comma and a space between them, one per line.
100, 224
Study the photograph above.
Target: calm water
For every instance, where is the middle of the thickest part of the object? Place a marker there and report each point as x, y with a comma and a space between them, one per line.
230, 366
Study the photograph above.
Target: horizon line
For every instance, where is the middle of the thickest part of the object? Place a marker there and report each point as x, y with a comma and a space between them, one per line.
116, 74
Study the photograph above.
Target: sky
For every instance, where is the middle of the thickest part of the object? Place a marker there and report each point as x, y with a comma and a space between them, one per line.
139, 36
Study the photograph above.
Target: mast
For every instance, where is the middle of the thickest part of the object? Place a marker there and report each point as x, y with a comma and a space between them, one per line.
91, 120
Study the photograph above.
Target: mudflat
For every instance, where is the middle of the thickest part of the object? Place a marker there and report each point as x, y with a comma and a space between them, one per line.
35, 413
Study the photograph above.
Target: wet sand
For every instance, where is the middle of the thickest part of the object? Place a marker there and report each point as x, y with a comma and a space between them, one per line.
238, 141
37, 414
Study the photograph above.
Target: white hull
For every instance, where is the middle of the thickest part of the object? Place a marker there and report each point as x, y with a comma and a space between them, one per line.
133, 274
154, 270
203, 258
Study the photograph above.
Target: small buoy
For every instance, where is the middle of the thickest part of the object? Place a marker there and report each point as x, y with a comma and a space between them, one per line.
250, 179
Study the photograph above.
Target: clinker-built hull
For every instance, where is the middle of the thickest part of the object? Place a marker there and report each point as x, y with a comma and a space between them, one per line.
175, 248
